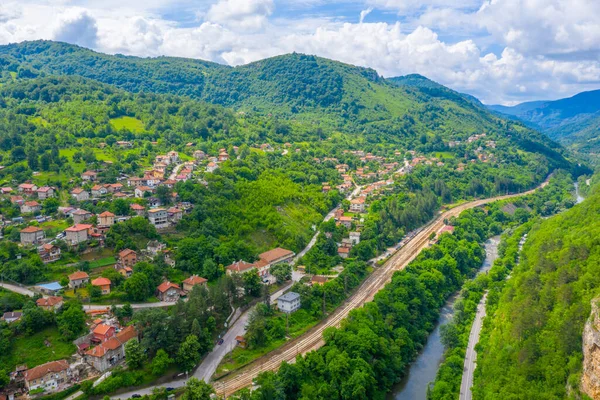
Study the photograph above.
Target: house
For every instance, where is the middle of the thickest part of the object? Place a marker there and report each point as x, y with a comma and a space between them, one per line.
174, 214
111, 352
155, 247
168, 291
192, 281
139, 210
124, 144
103, 284
113, 187
357, 205
51, 303
447, 229
6, 190
10, 317
170, 183
79, 194
266, 147
17, 200
98, 191
239, 267
159, 218
78, 233
241, 341
27, 188
31, 207
154, 202
318, 280
343, 251
45, 192
106, 219
49, 253
223, 156
49, 376
276, 256
89, 176
346, 221
80, 215
32, 235
135, 182
127, 258
199, 155
354, 237
173, 156
50, 288
102, 333
141, 191
78, 279
289, 302
211, 167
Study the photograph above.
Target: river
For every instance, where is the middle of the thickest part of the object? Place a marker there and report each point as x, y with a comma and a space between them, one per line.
423, 370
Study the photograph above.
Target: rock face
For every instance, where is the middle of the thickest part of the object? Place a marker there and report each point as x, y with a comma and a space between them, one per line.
590, 379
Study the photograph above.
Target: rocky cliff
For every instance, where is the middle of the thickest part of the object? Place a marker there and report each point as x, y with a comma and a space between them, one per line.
590, 379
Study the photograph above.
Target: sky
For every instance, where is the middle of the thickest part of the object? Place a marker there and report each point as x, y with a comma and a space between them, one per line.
501, 51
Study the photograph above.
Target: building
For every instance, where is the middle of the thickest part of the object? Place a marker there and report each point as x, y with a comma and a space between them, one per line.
199, 155
81, 215
106, 219
192, 281
49, 253
357, 205
31, 207
111, 352
127, 258
174, 214
139, 210
211, 167
318, 280
141, 191
79, 194
78, 279
50, 288
98, 191
155, 247
51, 303
102, 333
45, 192
135, 182
27, 188
289, 302
355, 238
343, 252
346, 221
273, 257
168, 291
10, 317
103, 284
78, 233
89, 176
159, 218
49, 376
32, 235
124, 144
173, 156
223, 156
239, 267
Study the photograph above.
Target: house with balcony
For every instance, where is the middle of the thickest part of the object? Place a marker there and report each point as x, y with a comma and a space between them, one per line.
32, 235
159, 218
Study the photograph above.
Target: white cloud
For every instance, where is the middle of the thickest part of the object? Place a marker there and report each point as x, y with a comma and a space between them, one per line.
364, 13
78, 27
244, 14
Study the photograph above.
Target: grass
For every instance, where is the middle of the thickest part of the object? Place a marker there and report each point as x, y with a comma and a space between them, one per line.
31, 350
103, 262
131, 124
443, 154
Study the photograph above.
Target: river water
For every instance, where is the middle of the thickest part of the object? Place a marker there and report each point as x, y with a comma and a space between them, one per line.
423, 370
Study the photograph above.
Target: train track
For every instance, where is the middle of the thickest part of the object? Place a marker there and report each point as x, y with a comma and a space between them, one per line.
313, 339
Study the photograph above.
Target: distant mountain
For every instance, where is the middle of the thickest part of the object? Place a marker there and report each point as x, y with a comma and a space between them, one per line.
574, 121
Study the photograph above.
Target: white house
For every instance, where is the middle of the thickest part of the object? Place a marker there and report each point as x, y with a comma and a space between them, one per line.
289, 302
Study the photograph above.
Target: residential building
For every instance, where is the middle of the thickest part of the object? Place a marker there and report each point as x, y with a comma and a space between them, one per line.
45, 192
111, 352
174, 214
155, 247
51, 303
89, 176
49, 376
127, 258
318, 280
98, 191
31, 207
135, 182
343, 252
124, 144
80, 194
192, 281
17, 200
139, 210
273, 257
141, 191
78, 279
27, 188
106, 219
199, 155
239, 267
159, 218
346, 221
211, 167
113, 187
357, 205
79, 233
168, 291
10, 317
32, 235
223, 156
50, 288
81, 215
49, 253
173, 157
355, 237
102, 333
103, 284
289, 302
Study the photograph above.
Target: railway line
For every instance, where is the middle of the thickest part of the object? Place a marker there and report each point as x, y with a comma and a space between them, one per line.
313, 338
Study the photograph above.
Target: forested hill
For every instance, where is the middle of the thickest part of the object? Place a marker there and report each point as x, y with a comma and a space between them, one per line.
328, 94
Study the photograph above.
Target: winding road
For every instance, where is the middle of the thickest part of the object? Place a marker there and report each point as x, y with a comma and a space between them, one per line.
313, 339
471, 355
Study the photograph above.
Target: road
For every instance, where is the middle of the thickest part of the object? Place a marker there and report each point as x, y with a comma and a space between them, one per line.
17, 289
175, 171
471, 354
312, 339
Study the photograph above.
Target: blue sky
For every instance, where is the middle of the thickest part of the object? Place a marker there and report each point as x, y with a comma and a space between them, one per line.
502, 51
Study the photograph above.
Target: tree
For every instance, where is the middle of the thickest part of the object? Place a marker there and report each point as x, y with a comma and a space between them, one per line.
163, 193
196, 389
161, 362
189, 353
252, 284
282, 272
137, 287
4, 378
50, 206
71, 320
134, 354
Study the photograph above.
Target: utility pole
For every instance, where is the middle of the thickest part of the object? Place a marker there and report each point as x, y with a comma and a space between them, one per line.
324, 308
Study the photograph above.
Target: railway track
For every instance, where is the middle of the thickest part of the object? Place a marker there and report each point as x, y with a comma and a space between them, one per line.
313, 339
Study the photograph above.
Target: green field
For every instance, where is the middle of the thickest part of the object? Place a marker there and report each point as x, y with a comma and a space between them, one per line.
32, 350
103, 262
129, 123
443, 154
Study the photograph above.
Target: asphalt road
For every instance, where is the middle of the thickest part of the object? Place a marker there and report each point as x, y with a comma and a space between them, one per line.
471, 354
17, 289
